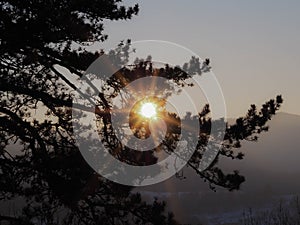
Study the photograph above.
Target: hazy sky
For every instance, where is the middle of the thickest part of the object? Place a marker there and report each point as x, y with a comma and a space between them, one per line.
254, 45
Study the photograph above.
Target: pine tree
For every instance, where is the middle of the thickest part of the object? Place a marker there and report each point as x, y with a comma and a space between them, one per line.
37, 37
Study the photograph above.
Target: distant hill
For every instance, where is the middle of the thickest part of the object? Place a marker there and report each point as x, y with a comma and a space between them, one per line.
271, 168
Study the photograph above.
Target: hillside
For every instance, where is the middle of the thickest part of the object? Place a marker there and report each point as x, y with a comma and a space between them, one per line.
271, 167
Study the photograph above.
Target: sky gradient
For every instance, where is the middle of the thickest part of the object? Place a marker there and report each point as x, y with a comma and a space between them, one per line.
253, 45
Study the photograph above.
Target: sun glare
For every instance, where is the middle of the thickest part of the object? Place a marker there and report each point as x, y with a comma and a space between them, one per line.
148, 110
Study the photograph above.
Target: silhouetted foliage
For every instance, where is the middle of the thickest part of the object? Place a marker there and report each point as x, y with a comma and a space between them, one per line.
40, 37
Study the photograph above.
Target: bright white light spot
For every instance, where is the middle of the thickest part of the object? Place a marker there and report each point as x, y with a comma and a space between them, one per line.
148, 110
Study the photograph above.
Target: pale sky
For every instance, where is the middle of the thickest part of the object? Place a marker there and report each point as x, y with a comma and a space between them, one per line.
254, 45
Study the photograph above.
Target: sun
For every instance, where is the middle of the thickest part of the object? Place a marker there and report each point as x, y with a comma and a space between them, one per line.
148, 110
